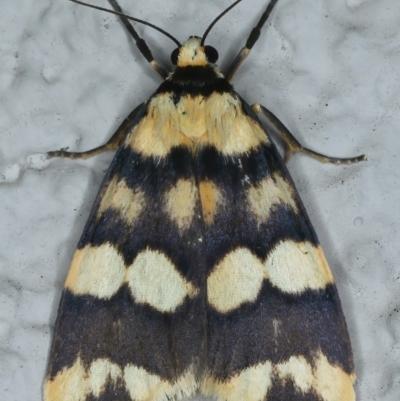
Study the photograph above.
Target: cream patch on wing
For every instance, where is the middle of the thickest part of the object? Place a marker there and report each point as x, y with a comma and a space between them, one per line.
152, 277
291, 266
331, 382
294, 267
154, 280
297, 369
229, 129
119, 197
144, 386
158, 131
97, 271
211, 199
252, 384
101, 371
69, 384
268, 193
180, 202
217, 120
76, 384
235, 280
192, 118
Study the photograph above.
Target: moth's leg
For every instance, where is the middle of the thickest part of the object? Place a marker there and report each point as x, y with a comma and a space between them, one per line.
293, 145
251, 40
113, 143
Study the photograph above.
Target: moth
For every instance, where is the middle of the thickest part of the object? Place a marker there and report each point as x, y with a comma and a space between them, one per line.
198, 270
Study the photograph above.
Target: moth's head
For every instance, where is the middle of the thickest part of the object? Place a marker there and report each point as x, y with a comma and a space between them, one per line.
193, 53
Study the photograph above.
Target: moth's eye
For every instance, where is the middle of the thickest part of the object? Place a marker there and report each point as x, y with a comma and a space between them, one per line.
211, 54
174, 56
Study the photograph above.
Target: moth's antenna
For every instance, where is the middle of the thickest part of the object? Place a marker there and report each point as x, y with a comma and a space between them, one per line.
124, 16
118, 11
216, 20
251, 40
140, 43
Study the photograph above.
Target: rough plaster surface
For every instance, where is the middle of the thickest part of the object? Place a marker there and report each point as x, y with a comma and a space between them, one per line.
69, 75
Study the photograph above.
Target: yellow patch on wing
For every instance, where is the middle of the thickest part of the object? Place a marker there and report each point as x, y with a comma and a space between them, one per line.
101, 371
119, 197
211, 198
217, 120
229, 129
269, 193
69, 384
154, 280
332, 383
298, 370
180, 202
191, 118
97, 271
294, 267
158, 131
291, 266
252, 384
235, 280
77, 384
144, 386
329, 382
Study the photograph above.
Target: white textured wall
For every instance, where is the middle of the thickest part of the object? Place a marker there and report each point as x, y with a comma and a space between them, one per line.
330, 69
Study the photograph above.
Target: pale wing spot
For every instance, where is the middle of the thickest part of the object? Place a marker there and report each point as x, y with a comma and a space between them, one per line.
69, 384
140, 384
331, 382
229, 129
287, 194
252, 384
100, 372
119, 197
192, 121
219, 121
97, 271
298, 370
294, 267
106, 196
235, 280
276, 324
267, 194
180, 202
144, 386
154, 280
211, 199
158, 131
262, 197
